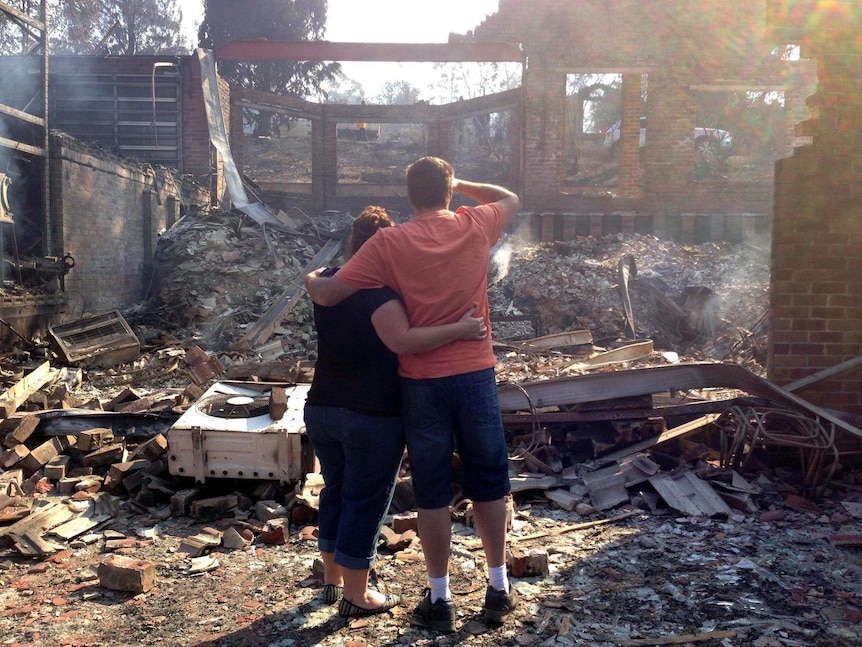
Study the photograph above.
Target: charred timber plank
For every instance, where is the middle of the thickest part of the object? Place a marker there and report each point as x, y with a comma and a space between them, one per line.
626, 353
473, 544
265, 326
641, 381
20, 146
39, 521
17, 395
670, 434
557, 340
22, 431
376, 113
22, 16
681, 640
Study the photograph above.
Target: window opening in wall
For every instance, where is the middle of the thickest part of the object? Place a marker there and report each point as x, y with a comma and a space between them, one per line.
482, 149
739, 135
281, 159
593, 125
753, 127
377, 154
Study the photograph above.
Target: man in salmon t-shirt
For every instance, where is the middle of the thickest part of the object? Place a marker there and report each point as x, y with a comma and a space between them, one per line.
438, 263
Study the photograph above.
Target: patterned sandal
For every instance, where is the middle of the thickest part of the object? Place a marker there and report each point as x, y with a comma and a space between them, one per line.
332, 593
346, 608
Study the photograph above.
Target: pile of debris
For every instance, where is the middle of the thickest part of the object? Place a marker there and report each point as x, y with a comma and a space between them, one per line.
218, 274
160, 502
613, 404
234, 287
702, 302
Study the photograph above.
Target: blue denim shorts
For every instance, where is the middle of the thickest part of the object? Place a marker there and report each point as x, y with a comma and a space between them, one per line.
457, 413
359, 458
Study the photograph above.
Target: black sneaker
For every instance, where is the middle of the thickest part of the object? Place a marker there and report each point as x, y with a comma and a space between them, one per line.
439, 616
499, 604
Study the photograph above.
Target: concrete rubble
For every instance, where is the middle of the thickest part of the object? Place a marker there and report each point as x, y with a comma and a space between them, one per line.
663, 491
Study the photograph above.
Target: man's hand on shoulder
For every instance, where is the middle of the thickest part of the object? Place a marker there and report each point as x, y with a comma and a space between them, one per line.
327, 290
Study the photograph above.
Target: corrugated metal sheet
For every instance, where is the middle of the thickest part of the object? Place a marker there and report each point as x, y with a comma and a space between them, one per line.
686, 492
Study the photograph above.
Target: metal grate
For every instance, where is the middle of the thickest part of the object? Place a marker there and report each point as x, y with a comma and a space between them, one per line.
136, 115
105, 339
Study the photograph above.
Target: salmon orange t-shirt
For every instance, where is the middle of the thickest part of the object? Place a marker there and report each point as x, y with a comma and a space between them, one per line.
438, 262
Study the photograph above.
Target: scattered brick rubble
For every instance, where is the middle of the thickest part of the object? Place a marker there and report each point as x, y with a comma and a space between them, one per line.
100, 544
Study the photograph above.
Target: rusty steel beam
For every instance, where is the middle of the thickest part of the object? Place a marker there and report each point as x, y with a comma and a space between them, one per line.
321, 50
609, 414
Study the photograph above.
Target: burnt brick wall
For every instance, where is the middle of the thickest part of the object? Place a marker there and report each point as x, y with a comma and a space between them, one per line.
678, 45
816, 288
544, 132
106, 212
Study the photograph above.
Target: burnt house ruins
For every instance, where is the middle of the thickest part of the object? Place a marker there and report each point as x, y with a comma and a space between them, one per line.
124, 150
631, 122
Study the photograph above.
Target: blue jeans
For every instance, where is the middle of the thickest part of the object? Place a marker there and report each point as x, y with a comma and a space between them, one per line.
359, 458
457, 413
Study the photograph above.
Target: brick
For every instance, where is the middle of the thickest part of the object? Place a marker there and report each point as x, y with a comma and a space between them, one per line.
193, 392
123, 398
181, 502
45, 452
397, 541
273, 534
531, 563
277, 402
152, 449
120, 573
105, 456
143, 404
119, 471
205, 371
22, 431
13, 456
134, 480
404, 522
56, 468
91, 439
204, 510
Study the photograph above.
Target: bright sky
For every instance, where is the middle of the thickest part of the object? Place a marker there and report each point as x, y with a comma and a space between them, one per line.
383, 21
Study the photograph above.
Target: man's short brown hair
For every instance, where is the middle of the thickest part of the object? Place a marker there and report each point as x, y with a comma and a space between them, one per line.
365, 224
429, 180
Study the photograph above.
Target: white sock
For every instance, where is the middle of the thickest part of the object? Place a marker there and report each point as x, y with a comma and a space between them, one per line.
440, 588
497, 578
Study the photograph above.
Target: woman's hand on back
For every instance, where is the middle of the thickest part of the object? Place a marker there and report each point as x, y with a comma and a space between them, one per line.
472, 328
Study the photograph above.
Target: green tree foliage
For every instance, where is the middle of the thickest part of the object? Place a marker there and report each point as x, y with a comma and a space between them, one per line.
274, 20
118, 27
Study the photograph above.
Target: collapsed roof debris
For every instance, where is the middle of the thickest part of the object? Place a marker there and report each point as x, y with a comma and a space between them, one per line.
706, 301
644, 474
216, 278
